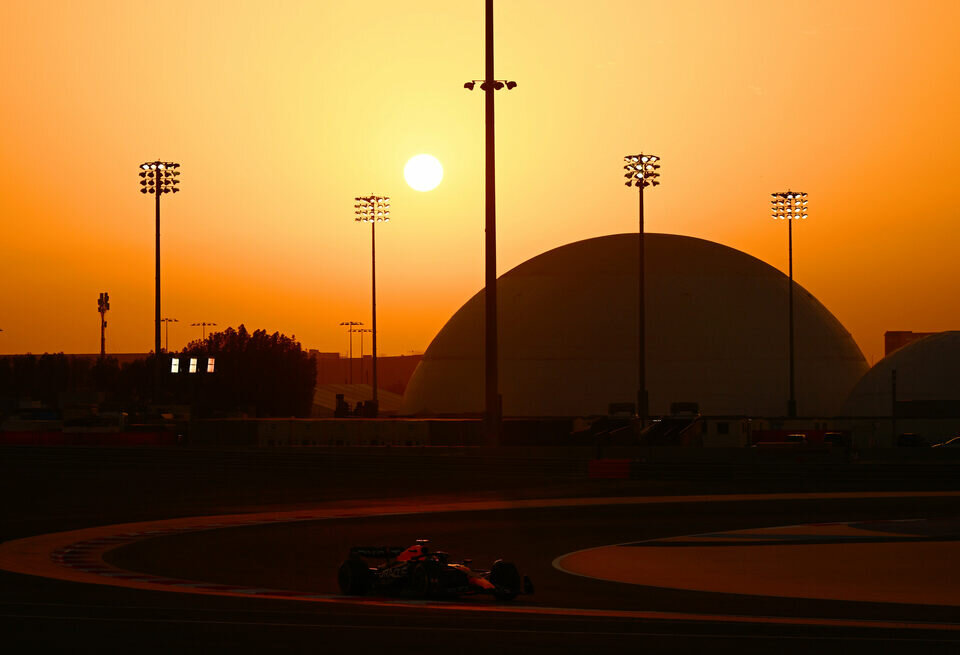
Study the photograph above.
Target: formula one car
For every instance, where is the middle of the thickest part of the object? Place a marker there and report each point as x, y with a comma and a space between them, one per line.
421, 572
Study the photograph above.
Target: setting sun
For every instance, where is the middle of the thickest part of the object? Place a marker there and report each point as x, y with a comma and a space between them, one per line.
669, 360
237, 104
423, 172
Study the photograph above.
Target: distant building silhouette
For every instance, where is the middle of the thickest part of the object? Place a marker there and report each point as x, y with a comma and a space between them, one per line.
916, 386
896, 339
394, 372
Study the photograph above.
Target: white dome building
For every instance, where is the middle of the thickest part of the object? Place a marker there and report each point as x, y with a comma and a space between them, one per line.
716, 335
927, 378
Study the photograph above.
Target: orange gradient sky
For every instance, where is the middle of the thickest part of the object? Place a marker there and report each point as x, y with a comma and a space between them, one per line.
281, 113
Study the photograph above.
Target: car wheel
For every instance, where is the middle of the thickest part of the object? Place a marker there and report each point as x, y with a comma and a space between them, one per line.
506, 578
354, 577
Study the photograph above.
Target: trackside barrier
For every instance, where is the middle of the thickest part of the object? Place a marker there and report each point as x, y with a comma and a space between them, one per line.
335, 432
609, 468
159, 438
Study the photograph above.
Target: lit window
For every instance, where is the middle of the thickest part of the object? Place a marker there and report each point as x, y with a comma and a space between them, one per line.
174, 365
210, 363
193, 364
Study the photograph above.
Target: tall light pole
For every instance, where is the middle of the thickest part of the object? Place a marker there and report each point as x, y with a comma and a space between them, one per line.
203, 328
103, 306
158, 177
373, 210
168, 321
790, 206
362, 331
642, 171
351, 328
490, 85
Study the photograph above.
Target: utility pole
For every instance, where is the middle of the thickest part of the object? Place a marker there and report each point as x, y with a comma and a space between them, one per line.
893, 406
492, 401
103, 306
362, 331
166, 331
203, 325
351, 328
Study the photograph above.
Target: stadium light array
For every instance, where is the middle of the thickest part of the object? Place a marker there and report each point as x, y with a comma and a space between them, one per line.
372, 209
157, 178
642, 170
790, 206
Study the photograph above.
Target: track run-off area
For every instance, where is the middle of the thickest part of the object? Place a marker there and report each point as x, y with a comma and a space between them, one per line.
160, 550
727, 576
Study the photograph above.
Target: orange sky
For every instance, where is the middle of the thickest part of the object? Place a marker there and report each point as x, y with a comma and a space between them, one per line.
281, 113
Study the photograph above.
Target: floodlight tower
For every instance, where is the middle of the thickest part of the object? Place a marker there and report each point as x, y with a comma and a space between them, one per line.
790, 206
373, 209
166, 338
203, 328
361, 332
491, 358
643, 171
158, 177
351, 328
103, 306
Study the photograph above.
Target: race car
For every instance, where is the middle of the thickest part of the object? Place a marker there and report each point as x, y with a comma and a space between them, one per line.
421, 572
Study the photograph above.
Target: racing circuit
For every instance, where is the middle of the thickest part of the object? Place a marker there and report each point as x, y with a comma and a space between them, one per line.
609, 571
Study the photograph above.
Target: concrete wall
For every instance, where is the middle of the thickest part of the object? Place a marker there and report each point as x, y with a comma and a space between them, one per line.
549, 436
334, 432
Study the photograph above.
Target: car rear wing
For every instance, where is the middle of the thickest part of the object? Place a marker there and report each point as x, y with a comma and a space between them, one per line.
377, 552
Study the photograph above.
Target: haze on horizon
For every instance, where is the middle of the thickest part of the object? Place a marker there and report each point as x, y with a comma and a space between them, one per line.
280, 115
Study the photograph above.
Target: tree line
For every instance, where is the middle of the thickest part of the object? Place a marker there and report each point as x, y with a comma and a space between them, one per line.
256, 374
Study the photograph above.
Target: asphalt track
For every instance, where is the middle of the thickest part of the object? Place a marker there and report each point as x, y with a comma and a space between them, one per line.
38, 613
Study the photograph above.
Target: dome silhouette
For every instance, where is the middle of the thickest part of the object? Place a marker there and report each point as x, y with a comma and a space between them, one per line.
926, 372
717, 335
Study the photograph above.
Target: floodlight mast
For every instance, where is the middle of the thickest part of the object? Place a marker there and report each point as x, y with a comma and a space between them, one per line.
373, 209
103, 306
166, 336
492, 401
158, 177
361, 332
790, 206
350, 330
203, 325
643, 171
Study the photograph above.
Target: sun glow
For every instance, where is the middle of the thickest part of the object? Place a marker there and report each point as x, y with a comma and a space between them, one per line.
423, 172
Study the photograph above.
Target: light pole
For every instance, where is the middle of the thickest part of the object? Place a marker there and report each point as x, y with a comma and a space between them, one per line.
168, 321
642, 171
491, 358
158, 177
351, 328
103, 306
362, 331
790, 206
373, 210
203, 329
